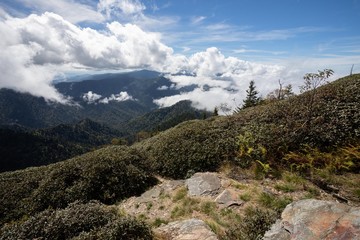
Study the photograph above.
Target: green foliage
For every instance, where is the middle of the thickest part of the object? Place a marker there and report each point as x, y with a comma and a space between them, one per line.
252, 98
119, 141
194, 146
78, 221
185, 208
245, 197
250, 151
160, 119
216, 111
277, 127
180, 194
357, 193
314, 80
107, 175
286, 187
309, 159
276, 203
280, 93
208, 208
158, 222
252, 226
21, 147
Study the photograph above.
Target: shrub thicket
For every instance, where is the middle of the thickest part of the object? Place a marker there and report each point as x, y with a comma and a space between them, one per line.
107, 175
190, 147
252, 226
78, 221
275, 128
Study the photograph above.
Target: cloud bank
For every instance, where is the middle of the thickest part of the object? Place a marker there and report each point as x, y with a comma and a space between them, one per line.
219, 79
94, 98
38, 47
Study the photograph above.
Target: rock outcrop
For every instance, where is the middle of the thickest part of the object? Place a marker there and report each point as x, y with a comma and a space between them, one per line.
203, 184
316, 219
192, 229
227, 199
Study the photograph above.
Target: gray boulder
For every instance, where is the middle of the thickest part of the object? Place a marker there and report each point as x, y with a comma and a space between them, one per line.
315, 219
203, 184
228, 199
192, 229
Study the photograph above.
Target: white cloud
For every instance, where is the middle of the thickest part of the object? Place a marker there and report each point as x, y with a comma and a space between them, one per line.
117, 7
221, 79
94, 98
164, 87
121, 97
91, 97
72, 11
37, 47
198, 19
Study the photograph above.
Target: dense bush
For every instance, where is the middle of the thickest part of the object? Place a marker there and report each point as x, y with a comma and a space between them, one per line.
252, 226
190, 147
284, 126
107, 175
80, 221
275, 128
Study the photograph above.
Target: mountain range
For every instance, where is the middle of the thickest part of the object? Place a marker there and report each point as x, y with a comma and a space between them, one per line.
110, 99
268, 157
36, 132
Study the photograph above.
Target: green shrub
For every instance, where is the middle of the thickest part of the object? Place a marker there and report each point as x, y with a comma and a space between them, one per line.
276, 203
80, 221
107, 175
308, 160
286, 187
193, 146
252, 226
159, 221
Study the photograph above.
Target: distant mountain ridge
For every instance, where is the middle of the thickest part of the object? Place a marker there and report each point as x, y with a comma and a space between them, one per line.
23, 147
125, 96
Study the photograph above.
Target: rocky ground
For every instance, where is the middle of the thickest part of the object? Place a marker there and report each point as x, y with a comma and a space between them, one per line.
206, 205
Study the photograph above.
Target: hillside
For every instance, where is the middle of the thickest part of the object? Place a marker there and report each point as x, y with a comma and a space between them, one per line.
21, 147
268, 131
163, 118
280, 150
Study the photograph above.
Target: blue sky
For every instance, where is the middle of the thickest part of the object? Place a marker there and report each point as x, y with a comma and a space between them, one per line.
238, 40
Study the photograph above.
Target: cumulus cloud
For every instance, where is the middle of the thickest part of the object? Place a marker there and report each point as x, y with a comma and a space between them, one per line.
94, 98
37, 47
219, 79
91, 97
121, 97
72, 11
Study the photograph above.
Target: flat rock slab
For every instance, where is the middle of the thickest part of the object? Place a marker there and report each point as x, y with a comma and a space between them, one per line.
203, 184
316, 219
227, 199
172, 184
192, 229
151, 194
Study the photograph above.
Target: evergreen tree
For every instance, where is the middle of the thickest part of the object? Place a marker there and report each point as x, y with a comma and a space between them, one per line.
252, 98
216, 112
